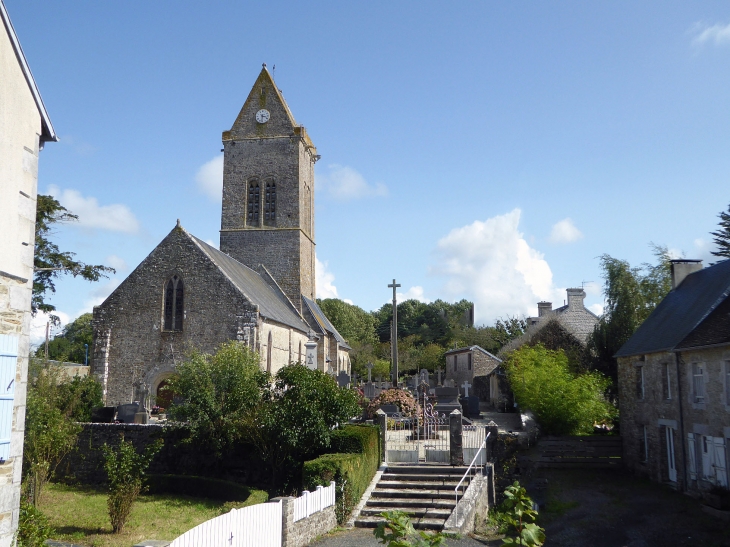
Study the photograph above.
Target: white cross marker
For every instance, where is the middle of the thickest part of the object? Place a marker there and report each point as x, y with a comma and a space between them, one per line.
466, 385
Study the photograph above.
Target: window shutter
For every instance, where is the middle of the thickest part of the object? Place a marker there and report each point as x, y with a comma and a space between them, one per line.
720, 462
8, 364
692, 456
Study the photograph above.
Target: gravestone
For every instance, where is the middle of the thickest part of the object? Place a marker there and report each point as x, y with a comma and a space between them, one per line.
447, 400
449, 383
471, 406
390, 410
103, 415
423, 376
125, 413
369, 390
343, 379
439, 371
466, 385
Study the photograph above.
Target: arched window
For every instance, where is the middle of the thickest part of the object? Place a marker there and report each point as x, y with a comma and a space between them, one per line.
254, 198
270, 203
174, 303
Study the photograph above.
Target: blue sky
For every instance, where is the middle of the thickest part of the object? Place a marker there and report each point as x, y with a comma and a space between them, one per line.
481, 150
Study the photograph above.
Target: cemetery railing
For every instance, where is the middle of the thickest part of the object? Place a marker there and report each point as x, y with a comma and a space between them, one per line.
474, 467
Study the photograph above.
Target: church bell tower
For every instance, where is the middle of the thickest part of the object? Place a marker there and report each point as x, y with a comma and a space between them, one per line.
268, 191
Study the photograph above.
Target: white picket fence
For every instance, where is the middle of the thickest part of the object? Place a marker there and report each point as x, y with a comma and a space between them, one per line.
254, 526
312, 502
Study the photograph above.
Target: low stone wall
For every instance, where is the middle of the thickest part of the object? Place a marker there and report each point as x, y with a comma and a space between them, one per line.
302, 532
475, 503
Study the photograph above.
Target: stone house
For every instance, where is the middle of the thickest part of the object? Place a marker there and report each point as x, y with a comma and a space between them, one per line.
566, 328
24, 128
259, 288
674, 383
482, 370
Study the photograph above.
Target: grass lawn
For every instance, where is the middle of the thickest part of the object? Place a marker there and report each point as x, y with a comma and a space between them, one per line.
79, 515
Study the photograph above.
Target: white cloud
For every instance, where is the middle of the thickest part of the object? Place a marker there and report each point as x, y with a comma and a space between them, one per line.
345, 183
716, 34
38, 327
210, 178
348, 301
597, 309
81, 147
325, 280
414, 293
99, 293
565, 232
116, 262
211, 243
115, 217
492, 264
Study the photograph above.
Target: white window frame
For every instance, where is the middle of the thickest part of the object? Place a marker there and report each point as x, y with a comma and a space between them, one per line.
671, 456
719, 463
707, 457
699, 393
692, 441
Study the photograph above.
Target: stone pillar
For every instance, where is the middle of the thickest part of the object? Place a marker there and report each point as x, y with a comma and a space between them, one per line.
493, 431
287, 518
382, 420
455, 438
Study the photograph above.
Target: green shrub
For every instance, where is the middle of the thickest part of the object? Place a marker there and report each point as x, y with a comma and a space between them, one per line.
352, 468
33, 526
398, 397
398, 531
564, 403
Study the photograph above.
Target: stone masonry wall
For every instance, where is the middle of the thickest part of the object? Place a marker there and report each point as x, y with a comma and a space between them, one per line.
132, 352
659, 408
302, 532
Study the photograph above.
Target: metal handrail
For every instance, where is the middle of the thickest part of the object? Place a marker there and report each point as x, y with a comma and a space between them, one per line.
456, 490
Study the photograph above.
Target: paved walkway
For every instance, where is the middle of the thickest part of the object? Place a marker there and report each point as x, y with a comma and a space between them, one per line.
363, 537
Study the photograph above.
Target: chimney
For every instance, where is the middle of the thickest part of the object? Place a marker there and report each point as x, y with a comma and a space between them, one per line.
543, 308
575, 299
681, 268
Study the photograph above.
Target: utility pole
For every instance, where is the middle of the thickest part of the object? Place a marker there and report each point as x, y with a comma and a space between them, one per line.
394, 335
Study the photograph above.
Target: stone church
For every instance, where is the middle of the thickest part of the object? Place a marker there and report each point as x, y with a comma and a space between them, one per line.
259, 288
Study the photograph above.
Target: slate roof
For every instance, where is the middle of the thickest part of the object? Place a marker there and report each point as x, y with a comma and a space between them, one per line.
272, 304
323, 322
473, 348
685, 317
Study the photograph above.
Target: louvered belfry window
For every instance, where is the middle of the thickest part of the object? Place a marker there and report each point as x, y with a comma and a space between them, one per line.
174, 304
270, 203
254, 197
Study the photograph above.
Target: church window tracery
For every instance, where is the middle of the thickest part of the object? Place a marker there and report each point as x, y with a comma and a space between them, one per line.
174, 304
270, 203
254, 199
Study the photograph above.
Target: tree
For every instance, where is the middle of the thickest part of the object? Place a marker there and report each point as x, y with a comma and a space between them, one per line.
352, 322
49, 261
78, 398
631, 294
722, 235
217, 392
564, 403
71, 344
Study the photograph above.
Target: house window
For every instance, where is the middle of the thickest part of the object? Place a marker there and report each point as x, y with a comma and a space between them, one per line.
644, 446
270, 203
666, 381
174, 304
640, 382
468, 361
254, 196
455, 361
698, 382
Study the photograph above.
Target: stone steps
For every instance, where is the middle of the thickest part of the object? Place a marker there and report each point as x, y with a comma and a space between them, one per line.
426, 492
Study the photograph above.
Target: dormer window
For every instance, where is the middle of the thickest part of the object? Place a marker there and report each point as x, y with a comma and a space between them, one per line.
254, 197
174, 302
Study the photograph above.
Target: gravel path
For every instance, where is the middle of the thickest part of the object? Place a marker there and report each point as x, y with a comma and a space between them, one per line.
363, 537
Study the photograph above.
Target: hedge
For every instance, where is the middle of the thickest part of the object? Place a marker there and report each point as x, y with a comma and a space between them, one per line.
352, 467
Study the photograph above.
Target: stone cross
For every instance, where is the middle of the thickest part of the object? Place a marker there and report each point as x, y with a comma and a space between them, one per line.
370, 371
394, 334
439, 371
466, 385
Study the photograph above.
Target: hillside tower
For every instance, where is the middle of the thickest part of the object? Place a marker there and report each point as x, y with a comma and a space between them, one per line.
268, 191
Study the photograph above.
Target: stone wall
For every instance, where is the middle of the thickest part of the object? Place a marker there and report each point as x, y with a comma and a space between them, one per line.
302, 532
665, 399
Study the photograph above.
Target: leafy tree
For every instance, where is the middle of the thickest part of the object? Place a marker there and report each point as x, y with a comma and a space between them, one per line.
353, 323
79, 397
217, 392
722, 235
296, 416
69, 346
631, 294
564, 403
49, 433
125, 469
50, 262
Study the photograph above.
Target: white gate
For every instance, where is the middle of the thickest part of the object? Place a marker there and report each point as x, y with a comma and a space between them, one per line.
472, 438
254, 526
420, 438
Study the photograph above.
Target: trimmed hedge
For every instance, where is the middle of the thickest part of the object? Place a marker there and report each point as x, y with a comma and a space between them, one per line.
204, 487
352, 467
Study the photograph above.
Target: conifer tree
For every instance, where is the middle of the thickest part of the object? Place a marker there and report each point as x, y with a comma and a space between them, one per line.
722, 235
